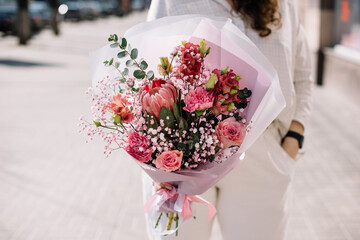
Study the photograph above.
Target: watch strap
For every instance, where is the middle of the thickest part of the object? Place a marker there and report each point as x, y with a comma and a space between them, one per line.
297, 136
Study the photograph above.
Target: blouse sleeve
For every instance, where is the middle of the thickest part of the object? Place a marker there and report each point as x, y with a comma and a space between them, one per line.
303, 81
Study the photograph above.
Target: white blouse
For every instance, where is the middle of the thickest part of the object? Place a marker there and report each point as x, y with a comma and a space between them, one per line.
286, 48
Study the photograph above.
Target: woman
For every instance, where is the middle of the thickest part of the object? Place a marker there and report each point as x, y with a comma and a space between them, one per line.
252, 201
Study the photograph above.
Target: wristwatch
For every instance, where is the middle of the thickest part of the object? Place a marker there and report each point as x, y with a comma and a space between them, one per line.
297, 136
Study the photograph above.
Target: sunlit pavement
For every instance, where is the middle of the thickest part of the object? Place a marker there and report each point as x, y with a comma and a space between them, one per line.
54, 186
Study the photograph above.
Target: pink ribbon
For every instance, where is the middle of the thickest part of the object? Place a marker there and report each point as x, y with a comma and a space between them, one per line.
186, 209
160, 197
170, 192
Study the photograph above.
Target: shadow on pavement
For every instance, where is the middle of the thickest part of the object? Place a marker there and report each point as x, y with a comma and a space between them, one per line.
21, 63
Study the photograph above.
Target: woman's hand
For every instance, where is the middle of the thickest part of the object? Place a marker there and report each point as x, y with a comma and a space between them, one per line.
291, 145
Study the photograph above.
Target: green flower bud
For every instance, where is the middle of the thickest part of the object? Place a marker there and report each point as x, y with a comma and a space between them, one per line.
97, 123
202, 47
211, 82
208, 51
233, 91
237, 77
224, 70
231, 106
163, 62
117, 118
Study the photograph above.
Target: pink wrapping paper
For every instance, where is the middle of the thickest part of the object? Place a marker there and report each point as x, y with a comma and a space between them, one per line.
229, 47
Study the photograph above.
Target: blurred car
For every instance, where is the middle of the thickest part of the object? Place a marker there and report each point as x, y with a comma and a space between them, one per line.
40, 14
75, 10
138, 4
81, 10
92, 9
7, 17
109, 7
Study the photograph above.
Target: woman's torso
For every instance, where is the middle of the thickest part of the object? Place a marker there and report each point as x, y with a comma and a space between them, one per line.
279, 47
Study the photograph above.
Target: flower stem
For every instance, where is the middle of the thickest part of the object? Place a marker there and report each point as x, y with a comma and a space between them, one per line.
133, 127
177, 224
171, 218
173, 57
137, 64
116, 129
119, 71
158, 220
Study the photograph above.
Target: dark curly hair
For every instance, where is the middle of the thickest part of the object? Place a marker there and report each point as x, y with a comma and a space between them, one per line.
259, 13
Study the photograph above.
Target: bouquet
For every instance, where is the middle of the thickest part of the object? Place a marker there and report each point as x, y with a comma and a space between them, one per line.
187, 123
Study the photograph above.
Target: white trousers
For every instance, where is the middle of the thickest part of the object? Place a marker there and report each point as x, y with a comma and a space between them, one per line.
252, 201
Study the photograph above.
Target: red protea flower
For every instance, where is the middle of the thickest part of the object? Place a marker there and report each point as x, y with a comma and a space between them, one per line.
160, 94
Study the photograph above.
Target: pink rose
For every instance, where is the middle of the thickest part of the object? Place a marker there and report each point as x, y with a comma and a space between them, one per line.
230, 132
198, 99
169, 161
138, 146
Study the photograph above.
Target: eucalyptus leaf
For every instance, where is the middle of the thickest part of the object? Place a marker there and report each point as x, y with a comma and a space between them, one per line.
150, 75
143, 65
111, 61
130, 63
123, 43
114, 45
117, 64
134, 53
167, 117
116, 37
121, 54
139, 74
129, 47
135, 89
125, 72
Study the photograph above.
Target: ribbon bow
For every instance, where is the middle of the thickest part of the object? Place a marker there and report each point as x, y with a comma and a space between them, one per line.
186, 211
182, 203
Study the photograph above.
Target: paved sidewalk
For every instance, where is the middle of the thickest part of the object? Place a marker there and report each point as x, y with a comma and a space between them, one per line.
54, 186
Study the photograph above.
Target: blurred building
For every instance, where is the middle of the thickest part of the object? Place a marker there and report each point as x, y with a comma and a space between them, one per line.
333, 31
